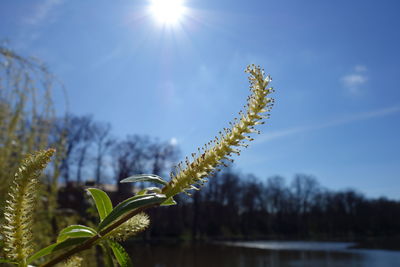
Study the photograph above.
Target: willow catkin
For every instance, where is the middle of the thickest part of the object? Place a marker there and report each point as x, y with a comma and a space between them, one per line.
19, 210
131, 227
192, 174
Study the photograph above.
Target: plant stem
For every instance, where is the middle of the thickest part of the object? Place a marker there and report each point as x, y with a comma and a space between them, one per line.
92, 241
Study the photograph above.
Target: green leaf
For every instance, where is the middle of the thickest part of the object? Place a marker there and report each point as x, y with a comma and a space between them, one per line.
120, 254
144, 178
107, 254
149, 189
75, 231
131, 204
169, 202
55, 247
8, 261
141, 192
102, 201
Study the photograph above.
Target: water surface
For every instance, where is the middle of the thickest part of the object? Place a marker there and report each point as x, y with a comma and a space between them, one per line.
260, 254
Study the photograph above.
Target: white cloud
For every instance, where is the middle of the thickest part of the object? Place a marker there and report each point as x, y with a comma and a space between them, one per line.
360, 68
333, 123
42, 11
355, 80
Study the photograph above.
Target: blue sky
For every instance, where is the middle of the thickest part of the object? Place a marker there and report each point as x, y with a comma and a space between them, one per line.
335, 68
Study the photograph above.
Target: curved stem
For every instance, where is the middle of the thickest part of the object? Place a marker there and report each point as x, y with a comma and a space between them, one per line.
92, 241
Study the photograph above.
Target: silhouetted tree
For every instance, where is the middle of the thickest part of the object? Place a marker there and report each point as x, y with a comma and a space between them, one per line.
78, 137
103, 142
304, 188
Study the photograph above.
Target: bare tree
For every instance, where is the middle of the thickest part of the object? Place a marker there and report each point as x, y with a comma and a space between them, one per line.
78, 134
130, 156
276, 194
84, 144
103, 142
163, 156
304, 188
139, 154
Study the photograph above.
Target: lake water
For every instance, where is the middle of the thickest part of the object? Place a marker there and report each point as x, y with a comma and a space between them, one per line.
260, 254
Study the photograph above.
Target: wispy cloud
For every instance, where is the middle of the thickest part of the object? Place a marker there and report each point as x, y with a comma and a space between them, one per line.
333, 123
360, 68
353, 81
42, 11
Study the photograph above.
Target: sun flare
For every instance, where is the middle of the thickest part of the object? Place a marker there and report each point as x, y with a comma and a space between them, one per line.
167, 12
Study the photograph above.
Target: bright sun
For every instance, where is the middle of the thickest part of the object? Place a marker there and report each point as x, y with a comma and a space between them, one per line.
167, 12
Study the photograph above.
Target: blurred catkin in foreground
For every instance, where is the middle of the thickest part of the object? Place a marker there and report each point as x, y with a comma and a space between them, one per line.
20, 205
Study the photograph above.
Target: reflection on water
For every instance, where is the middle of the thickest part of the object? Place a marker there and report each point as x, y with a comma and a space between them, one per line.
260, 254
293, 245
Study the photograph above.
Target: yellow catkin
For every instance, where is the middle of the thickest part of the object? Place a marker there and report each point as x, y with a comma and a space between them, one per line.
133, 226
192, 174
19, 210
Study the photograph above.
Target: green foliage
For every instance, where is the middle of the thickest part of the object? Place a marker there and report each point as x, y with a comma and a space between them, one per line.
131, 204
108, 254
169, 202
56, 247
127, 218
145, 178
75, 231
102, 201
120, 254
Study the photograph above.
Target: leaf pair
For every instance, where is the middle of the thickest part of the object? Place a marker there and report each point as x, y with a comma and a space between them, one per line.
104, 206
108, 215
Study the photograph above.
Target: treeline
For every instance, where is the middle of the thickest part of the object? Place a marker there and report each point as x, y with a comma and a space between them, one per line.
232, 206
